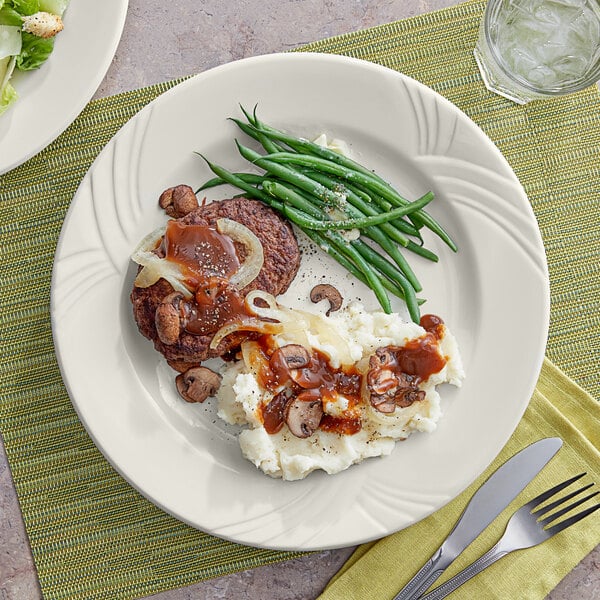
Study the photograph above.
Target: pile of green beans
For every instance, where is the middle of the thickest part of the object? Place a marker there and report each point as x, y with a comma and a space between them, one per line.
323, 192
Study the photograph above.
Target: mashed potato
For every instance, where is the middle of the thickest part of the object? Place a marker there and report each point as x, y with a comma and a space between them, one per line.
348, 338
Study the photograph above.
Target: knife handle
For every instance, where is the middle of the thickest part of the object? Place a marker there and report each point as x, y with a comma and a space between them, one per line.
483, 562
423, 579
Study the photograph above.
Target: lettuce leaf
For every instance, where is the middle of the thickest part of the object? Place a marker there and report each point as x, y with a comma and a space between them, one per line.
8, 93
7, 97
34, 52
9, 16
56, 7
10, 41
25, 7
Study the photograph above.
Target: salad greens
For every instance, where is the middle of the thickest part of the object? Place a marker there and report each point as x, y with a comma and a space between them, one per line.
34, 51
27, 30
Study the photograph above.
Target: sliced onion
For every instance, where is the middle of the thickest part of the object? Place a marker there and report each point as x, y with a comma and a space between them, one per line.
271, 311
293, 321
269, 299
255, 259
254, 325
253, 357
154, 267
149, 243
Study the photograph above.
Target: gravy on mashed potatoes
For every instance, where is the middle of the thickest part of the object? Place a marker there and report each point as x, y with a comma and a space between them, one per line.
327, 392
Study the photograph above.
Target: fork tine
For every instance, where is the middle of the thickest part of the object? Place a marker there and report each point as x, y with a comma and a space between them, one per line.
549, 493
544, 510
564, 511
571, 520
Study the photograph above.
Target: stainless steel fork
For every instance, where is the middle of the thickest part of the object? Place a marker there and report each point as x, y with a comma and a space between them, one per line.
528, 527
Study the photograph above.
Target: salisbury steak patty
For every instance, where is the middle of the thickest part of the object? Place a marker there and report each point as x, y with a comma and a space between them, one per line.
281, 262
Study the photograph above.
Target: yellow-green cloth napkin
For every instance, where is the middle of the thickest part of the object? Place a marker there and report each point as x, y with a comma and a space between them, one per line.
92, 535
558, 408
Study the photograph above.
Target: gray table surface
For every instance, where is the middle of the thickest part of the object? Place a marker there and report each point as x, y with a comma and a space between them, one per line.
165, 40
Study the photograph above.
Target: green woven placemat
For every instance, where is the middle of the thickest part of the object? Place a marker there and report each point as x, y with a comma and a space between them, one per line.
91, 534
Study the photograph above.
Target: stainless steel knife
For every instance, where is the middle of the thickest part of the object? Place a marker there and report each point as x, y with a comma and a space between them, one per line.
498, 491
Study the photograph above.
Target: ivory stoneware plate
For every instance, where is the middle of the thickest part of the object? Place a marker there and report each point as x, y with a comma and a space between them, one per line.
493, 294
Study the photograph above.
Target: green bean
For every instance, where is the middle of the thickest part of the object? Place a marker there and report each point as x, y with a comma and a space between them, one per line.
269, 200
394, 229
254, 133
256, 179
380, 238
252, 178
368, 209
341, 259
290, 175
321, 192
305, 181
299, 219
379, 262
342, 193
233, 179
366, 180
422, 251
385, 267
383, 204
377, 236
298, 201
372, 279
323, 206
404, 226
283, 193
303, 145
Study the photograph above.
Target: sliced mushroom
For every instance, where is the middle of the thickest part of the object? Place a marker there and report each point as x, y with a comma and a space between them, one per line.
383, 405
388, 386
197, 384
327, 292
384, 357
178, 201
303, 414
294, 356
274, 411
382, 382
409, 396
167, 318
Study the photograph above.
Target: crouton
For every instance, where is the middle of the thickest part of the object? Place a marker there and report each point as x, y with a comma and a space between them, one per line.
42, 24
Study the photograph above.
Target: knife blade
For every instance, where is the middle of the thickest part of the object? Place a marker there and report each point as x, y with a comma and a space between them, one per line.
495, 494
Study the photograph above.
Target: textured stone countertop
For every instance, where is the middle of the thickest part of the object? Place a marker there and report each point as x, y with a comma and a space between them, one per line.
165, 40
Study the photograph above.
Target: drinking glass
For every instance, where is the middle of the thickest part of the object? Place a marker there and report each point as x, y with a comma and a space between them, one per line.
531, 49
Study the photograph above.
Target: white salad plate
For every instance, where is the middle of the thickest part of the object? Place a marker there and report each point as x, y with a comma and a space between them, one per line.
51, 97
493, 294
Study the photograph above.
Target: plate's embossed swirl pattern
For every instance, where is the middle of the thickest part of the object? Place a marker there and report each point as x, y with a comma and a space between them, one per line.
461, 177
436, 128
